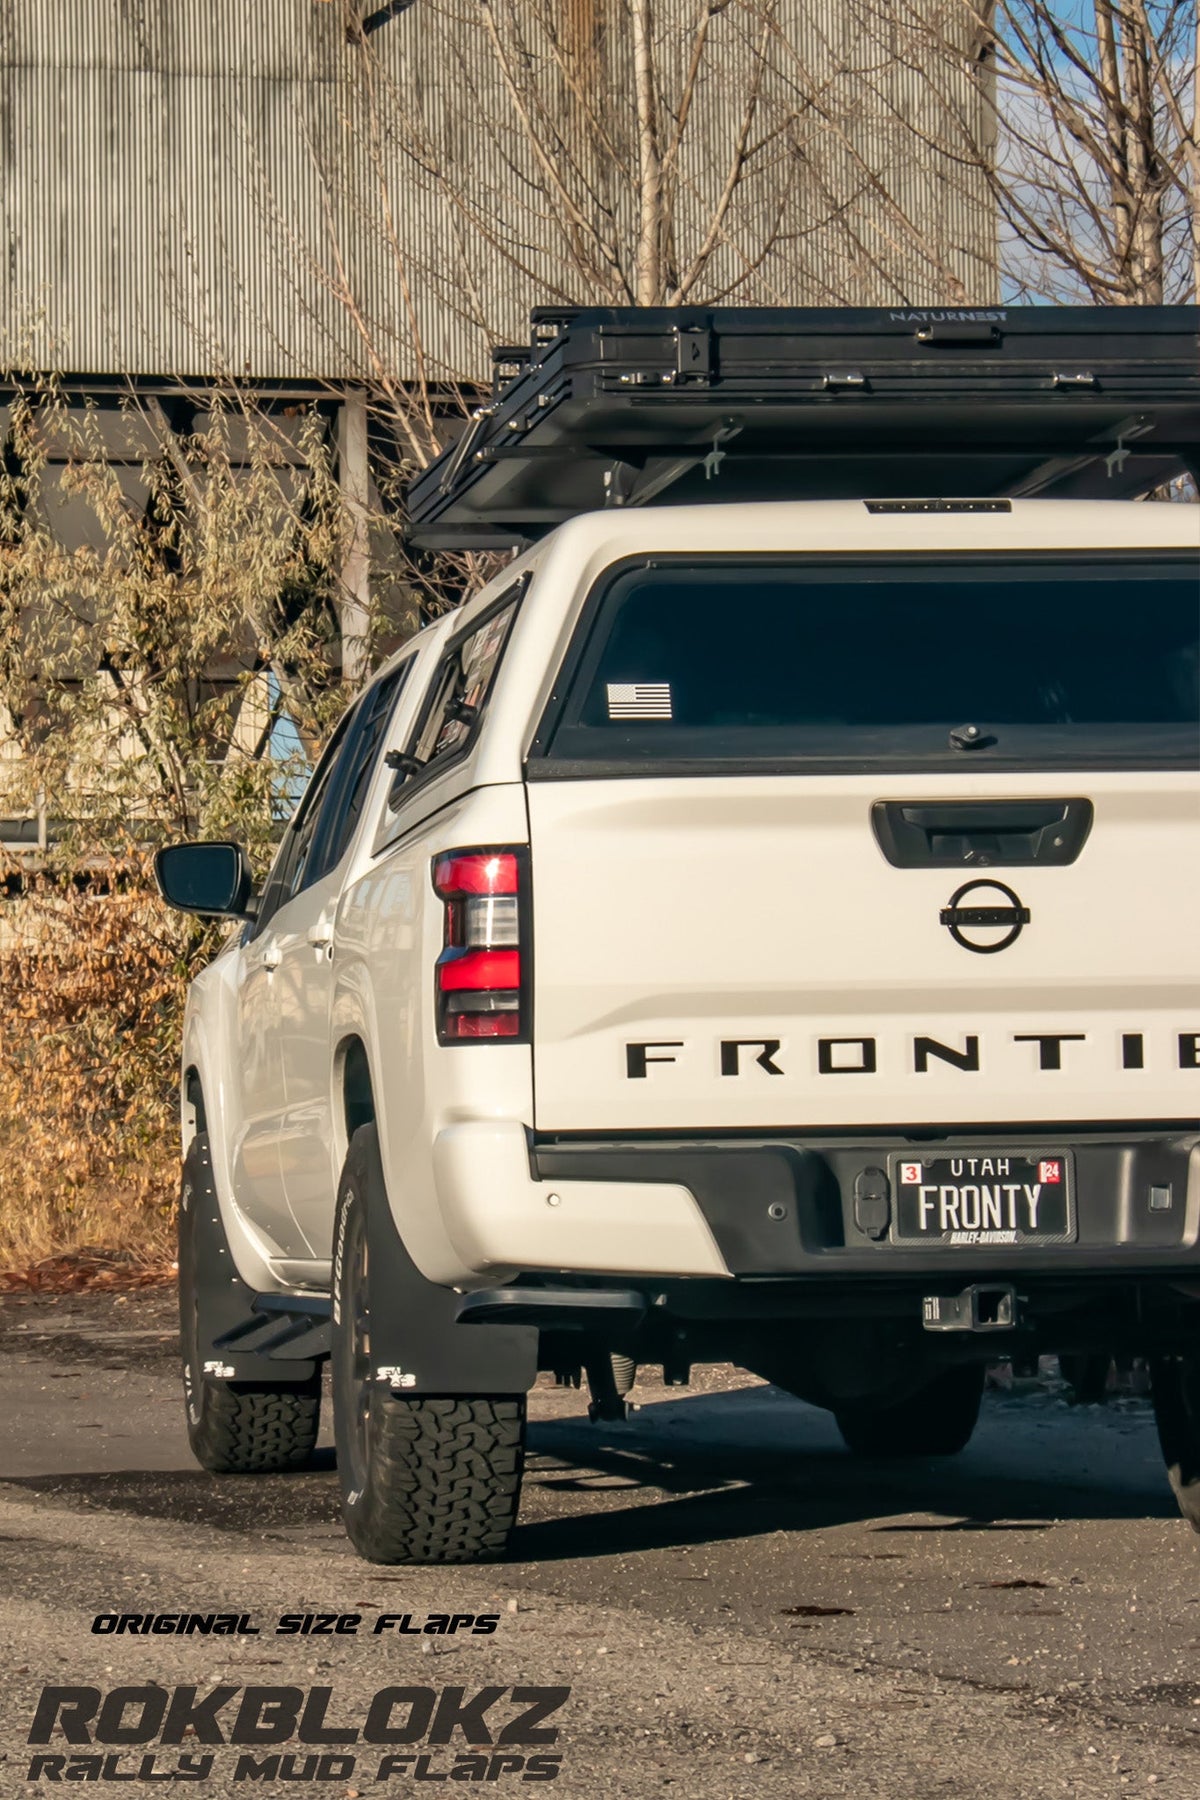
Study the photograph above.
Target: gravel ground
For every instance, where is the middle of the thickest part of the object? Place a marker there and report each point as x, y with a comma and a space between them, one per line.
737, 1607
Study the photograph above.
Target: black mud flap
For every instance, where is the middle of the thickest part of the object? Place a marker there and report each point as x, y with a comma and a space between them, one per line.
242, 1335
418, 1345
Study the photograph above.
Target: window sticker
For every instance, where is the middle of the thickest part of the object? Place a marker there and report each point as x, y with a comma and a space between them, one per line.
639, 700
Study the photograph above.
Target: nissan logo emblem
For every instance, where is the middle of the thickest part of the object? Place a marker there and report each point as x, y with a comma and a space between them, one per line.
960, 919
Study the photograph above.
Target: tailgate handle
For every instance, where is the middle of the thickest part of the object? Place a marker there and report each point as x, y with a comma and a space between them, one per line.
992, 834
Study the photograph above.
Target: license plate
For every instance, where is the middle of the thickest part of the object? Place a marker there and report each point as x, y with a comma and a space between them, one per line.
983, 1201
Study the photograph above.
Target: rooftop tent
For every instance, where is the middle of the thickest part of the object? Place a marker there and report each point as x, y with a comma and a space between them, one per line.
624, 406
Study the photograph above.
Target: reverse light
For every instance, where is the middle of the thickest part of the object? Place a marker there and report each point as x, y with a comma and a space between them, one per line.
478, 974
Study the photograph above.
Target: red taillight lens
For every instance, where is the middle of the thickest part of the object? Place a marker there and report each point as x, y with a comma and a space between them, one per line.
479, 971
479, 991
475, 872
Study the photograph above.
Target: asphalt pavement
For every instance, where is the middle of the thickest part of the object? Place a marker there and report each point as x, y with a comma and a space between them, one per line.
737, 1606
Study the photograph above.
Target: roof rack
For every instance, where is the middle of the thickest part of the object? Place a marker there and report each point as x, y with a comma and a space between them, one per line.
623, 406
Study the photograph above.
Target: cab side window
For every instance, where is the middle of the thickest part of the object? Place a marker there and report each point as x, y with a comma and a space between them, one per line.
351, 779
327, 816
457, 697
298, 835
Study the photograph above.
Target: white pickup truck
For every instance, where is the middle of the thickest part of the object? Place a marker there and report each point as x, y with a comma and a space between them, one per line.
750, 932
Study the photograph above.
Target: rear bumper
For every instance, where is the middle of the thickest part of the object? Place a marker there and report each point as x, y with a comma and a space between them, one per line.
785, 1207
503, 1215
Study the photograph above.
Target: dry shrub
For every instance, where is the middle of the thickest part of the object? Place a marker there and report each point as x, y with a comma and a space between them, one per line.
93, 971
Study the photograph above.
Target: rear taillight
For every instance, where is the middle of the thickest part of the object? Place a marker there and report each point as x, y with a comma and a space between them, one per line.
479, 985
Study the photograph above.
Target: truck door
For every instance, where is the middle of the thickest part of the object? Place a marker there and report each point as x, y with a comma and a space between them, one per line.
307, 971
258, 1097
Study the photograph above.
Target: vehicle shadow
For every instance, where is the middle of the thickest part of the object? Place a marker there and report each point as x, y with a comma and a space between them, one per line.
757, 1461
261, 1505
714, 1468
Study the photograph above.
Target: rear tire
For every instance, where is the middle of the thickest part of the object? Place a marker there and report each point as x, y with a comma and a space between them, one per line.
1176, 1393
233, 1428
935, 1421
426, 1479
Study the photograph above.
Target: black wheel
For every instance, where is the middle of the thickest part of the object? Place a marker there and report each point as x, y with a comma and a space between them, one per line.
935, 1421
233, 1428
1176, 1390
426, 1479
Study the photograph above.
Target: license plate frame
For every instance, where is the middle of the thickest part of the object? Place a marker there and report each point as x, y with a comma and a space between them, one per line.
972, 1188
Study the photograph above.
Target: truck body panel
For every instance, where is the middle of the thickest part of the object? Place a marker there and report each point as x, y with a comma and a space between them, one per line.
736, 953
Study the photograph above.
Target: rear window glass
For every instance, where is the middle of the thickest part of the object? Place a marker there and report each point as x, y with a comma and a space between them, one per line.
723, 661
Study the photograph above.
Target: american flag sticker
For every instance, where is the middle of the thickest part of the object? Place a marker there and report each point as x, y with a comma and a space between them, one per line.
639, 700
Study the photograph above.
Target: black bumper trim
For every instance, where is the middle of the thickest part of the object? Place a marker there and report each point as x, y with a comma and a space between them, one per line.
554, 1309
785, 1206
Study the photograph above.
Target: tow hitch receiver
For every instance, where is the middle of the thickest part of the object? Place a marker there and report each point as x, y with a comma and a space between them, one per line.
990, 1306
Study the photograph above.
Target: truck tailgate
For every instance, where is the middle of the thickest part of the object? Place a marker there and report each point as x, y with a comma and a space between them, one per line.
737, 953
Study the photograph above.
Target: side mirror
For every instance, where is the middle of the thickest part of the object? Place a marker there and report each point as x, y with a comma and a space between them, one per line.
213, 880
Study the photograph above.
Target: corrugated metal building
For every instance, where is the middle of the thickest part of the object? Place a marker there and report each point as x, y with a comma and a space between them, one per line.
186, 185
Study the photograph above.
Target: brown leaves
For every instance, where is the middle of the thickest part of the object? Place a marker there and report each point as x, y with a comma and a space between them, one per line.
93, 973
93, 1271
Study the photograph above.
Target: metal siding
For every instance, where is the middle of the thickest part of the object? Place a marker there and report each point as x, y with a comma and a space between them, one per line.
174, 172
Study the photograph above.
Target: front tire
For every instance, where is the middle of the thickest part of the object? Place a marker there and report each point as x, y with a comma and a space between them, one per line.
1176, 1393
234, 1428
935, 1421
424, 1479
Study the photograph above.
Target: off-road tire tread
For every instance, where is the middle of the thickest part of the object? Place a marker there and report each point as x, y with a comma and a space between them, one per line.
254, 1431
445, 1480
425, 1478
240, 1429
